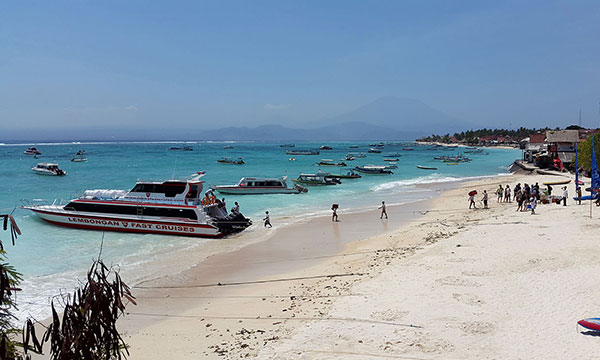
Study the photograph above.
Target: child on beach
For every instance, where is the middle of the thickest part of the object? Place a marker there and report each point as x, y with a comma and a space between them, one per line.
532, 203
383, 212
267, 219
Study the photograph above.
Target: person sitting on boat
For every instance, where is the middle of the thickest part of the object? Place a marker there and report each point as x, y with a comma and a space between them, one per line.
236, 209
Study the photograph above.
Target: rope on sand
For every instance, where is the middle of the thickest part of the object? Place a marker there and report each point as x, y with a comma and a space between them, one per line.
250, 282
368, 321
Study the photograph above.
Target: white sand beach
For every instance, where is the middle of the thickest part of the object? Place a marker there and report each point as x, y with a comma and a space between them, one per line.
451, 283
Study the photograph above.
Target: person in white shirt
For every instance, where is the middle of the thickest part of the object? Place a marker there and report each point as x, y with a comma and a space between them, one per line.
565, 196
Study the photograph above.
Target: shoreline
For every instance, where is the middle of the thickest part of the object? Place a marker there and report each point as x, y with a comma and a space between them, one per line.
345, 304
232, 266
508, 147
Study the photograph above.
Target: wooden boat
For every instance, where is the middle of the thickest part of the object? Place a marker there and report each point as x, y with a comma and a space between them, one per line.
426, 167
349, 175
228, 160
452, 163
562, 182
373, 169
373, 150
302, 152
391, 159
329, 162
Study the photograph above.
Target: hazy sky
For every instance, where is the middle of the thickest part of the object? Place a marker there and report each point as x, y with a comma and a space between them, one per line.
193, 63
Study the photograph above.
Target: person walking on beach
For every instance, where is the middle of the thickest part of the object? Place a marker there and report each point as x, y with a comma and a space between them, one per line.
383, 212
579, 194
472, 201
507, 194
334, 216
532, 203
500, 192
485, 199
267, 219
565, 196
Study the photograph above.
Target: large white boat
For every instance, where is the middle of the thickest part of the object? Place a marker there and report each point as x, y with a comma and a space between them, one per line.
173, 207
254, 186
48, 169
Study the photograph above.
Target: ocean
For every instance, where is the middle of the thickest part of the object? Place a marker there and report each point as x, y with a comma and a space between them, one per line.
53, 260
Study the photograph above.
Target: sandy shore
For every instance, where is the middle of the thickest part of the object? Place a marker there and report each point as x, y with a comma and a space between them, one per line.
452, 283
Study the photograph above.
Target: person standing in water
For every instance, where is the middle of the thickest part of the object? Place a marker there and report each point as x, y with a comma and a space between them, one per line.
267, 219
383, 212
334, 216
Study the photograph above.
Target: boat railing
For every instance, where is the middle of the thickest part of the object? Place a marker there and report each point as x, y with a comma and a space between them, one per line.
42, 203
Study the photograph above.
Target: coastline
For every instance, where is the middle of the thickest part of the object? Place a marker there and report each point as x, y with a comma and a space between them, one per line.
348, 314
463, 145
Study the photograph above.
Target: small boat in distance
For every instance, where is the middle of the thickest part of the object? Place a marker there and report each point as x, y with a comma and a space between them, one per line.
353, 146
326, 147
349, 175
395, 159
32, 151
79, 159
426, 167
373, 169
302, 152
407, 149
48, 169
320, 178
287, 145
80, 152
257, 186
374, 150
329, 162
228, 160
227, 147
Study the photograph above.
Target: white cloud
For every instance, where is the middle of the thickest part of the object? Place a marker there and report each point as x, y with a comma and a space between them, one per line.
277, 106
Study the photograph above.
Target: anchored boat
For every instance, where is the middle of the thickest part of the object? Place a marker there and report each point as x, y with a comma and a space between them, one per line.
256, 186
172, 207
373, 169
320, 178
48, 169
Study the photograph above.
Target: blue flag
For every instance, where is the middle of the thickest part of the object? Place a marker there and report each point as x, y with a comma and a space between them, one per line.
595, 175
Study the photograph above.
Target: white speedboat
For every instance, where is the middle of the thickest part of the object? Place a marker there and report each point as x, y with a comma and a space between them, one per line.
173, 207
320, 178
48, 169
256, 186
32, 151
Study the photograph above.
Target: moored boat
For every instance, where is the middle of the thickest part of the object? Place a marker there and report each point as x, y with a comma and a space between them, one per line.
394, 159
256, 186
228, 160
32, 151
326, 147
349, 175
302, 152
373, 169
172, 207
374, 150
320, 178
426, 167
329, 162
48, 169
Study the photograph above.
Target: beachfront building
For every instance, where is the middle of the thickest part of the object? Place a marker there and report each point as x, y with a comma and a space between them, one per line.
561, 146
535, 148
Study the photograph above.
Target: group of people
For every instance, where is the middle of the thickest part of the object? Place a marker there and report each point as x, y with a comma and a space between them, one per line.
526, 196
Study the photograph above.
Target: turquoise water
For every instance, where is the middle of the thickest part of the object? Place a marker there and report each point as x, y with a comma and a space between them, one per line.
52, 258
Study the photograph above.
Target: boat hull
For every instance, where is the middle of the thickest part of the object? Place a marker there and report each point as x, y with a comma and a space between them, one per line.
132, 225
254, 191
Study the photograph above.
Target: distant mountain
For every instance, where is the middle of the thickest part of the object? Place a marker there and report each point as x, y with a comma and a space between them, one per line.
402, 114
387, 118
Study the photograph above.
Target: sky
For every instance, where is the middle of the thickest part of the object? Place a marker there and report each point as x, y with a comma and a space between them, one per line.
177, 64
